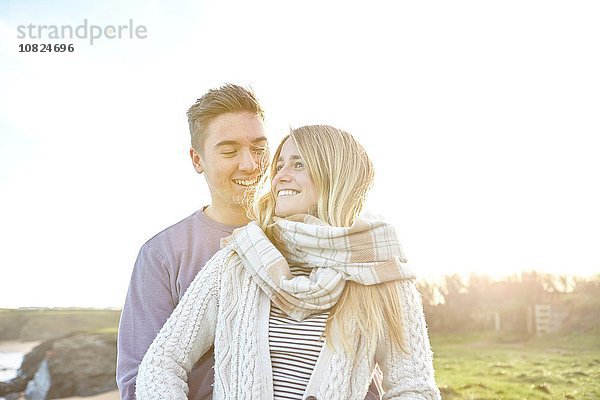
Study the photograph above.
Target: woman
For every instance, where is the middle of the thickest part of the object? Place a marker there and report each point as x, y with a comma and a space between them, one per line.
308, 265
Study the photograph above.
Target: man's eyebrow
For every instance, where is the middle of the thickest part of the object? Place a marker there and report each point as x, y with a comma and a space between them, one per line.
260, 139
235, 142
226, 143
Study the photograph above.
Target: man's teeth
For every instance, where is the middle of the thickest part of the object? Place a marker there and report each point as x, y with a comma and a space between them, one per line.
287, 192
246, 182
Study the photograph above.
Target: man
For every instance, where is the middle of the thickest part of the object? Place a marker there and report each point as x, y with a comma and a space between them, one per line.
230, 148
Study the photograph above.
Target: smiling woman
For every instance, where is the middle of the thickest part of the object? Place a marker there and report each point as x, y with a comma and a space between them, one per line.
293, 185
326, 173
306, 301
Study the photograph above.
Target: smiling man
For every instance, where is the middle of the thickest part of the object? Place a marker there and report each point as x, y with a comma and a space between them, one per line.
229, 148
232, 155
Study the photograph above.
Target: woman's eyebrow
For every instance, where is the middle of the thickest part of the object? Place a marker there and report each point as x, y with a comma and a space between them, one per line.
292, 157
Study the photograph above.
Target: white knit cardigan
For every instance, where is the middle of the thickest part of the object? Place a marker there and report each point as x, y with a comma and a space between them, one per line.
225, 308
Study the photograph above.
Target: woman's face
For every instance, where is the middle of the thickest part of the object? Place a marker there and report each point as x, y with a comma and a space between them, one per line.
295, 192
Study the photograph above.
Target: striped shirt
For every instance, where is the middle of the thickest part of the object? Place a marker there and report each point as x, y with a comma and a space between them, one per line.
295, 347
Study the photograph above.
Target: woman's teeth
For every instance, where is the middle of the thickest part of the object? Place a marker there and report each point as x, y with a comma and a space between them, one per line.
287, 192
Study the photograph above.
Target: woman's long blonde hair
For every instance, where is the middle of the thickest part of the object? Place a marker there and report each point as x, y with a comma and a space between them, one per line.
342, 174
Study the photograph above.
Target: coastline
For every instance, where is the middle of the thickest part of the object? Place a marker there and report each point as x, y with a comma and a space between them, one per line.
12, 353
16, 346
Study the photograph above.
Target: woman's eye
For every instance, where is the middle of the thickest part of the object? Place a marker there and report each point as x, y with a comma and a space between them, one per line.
278, 167
228, 153
298, 164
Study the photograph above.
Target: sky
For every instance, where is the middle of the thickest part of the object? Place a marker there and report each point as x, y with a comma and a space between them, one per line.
482, 119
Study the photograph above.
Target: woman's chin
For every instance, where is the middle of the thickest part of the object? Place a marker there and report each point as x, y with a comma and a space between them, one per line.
282, 213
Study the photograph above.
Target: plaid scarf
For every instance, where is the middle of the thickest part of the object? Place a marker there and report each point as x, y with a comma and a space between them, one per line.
366, 252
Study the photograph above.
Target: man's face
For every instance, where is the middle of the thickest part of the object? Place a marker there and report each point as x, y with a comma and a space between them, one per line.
234, 157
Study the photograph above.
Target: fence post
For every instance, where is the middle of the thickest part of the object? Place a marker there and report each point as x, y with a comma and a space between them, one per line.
530, 320
543, 313
497, 322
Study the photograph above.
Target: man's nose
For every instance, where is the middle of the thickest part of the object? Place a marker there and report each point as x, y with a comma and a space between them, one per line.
249, 161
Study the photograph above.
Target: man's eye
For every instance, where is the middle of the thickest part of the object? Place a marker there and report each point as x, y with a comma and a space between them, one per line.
228, 153
259, 150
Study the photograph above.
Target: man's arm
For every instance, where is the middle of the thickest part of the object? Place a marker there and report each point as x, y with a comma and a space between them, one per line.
148, 304
186, 336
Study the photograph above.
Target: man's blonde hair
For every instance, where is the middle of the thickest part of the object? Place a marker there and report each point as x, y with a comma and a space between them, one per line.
228, 98
342, 173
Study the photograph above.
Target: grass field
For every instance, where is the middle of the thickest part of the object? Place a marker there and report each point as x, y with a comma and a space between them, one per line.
491, 367
40, 324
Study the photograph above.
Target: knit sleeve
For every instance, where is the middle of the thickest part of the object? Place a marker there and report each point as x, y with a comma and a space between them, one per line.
408, 374
184, 338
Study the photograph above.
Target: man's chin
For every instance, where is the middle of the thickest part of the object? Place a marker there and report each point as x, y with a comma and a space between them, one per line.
240, 200
245, 198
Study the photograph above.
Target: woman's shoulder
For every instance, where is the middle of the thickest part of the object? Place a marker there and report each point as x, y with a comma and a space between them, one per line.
222, 258
226, 253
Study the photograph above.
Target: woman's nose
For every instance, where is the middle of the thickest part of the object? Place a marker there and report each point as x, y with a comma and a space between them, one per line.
282, 175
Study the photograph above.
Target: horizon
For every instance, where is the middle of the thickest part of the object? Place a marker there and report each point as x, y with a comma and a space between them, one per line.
436, 281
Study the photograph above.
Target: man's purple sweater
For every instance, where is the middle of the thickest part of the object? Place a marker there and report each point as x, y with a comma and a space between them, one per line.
165, 267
